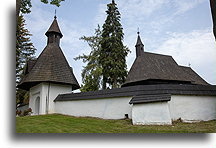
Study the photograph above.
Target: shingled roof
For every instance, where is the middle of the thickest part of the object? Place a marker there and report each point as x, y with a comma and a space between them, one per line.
193, 76
151, 68
142, 91
50, 66
150, 98
54, 28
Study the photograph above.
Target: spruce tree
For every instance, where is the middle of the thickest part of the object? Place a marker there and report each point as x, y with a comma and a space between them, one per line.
24, 51
24, 48
92, 72
113, 52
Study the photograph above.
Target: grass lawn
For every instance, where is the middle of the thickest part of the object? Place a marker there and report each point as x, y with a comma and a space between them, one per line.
67, 124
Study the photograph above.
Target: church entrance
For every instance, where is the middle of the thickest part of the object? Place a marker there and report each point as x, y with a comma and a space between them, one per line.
37, 106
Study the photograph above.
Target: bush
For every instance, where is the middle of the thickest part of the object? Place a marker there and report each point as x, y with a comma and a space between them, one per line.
18, 112
25, 112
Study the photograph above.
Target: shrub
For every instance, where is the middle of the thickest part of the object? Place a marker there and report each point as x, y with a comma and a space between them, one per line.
18, 112
27, 112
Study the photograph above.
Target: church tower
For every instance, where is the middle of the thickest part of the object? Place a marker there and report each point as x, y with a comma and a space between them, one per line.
139, 46
49, 75
54, 34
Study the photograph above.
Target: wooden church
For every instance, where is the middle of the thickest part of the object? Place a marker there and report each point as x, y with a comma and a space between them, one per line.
157, 90
49, 75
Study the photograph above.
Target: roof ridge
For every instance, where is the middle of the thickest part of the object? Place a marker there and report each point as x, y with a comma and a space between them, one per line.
157, 54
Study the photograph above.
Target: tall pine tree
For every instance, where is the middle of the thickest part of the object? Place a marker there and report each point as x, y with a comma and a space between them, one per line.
113, 53
92, 72
24, 51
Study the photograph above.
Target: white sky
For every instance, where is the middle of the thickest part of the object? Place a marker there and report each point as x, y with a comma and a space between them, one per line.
182, 29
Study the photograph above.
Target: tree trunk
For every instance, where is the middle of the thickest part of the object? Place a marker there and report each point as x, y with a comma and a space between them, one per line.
213, 10
18, 6
114, 85
104, 83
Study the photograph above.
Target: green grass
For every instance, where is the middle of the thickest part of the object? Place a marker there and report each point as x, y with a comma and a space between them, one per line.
67, 124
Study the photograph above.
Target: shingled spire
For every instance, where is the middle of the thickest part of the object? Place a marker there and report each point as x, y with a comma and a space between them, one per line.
54, 34
51, 65
139, 46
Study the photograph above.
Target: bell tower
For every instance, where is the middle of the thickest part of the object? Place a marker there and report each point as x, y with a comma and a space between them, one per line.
54, 34
139, 46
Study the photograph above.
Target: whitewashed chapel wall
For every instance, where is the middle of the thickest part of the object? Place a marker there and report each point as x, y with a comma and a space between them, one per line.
46, 93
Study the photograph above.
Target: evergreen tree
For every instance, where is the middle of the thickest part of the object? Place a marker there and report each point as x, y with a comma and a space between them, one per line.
92, 72
24, 51
113, 52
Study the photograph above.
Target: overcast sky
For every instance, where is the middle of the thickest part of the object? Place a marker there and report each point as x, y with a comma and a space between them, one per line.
182, 29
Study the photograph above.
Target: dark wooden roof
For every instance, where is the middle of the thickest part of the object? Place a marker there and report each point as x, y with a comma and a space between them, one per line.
54, 28
141, 90
150, 98
50, 66
151, 68
30, 64
193, 76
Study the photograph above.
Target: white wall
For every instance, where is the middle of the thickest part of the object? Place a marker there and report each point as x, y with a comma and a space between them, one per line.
156, 113
47, 93
109, 108
34, 93
192, 108
55, 90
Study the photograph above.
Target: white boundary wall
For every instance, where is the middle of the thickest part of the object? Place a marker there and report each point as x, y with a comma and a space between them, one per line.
156, 113
192, 108
188, 108
106, 108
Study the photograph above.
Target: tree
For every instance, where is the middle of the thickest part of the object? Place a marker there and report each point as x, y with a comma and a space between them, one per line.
24, 6
213, 10
113, 52
92, 72
24, 51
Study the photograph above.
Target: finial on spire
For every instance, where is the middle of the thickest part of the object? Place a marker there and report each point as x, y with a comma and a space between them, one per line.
55, 14
189, 64
139, 45
138, 31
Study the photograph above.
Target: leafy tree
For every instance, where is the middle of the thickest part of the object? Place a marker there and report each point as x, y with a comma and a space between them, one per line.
92, 72
24, 51
113, 53
24, 6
